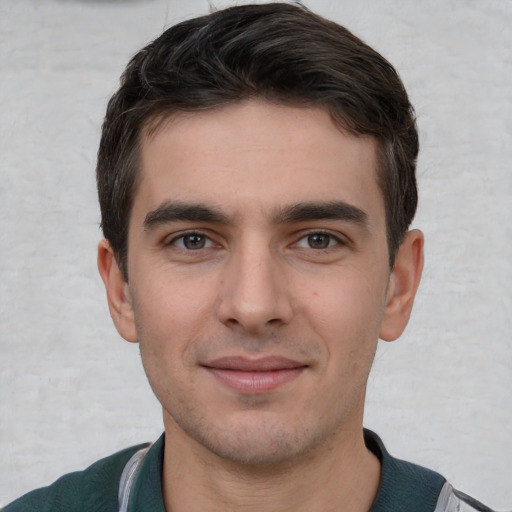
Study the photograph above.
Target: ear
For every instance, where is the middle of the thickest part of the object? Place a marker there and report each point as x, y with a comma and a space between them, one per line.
118, 292
403, 284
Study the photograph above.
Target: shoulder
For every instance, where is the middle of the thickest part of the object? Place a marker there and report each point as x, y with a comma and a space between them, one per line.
94, 489
451, 500
406, 486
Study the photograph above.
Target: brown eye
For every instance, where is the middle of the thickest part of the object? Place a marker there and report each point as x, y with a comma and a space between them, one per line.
194, 241
319, 241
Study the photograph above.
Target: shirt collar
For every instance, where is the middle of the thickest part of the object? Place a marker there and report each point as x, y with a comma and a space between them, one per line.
147, 494
403, 486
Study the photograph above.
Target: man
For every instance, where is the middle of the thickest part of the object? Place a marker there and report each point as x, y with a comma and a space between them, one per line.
256, 176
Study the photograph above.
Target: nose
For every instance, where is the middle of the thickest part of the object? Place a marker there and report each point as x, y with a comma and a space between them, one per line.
254, 294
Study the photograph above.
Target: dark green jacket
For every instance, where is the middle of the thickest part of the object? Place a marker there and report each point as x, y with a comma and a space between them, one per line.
404, 487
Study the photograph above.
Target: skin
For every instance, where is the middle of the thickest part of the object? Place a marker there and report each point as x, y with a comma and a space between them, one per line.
258, 236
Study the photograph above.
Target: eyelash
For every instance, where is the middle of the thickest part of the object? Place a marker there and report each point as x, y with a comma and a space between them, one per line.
333, 240
183, 236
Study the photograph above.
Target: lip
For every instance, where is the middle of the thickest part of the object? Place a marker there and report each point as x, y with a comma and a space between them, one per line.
254, 376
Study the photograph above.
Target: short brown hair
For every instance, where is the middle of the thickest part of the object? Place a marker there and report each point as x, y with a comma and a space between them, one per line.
280, 52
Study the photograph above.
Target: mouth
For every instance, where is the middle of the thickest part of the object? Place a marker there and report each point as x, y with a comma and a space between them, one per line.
254, 376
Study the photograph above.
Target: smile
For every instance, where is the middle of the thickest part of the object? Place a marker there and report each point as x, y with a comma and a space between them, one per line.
254, 376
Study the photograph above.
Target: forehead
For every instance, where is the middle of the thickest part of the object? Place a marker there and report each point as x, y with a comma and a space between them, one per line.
256, 156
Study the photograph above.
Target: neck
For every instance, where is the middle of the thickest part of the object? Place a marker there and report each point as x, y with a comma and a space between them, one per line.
341, 475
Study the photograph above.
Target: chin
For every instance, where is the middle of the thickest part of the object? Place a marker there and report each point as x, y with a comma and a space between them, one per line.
258, 442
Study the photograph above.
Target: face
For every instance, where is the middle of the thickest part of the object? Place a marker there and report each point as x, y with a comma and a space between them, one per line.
258, 278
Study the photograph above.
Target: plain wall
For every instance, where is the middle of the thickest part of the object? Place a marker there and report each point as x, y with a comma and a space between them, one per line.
72, 391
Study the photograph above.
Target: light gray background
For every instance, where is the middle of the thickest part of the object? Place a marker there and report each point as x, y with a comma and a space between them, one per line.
72, 391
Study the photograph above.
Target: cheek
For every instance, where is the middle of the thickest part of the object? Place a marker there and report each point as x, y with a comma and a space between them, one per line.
168, 327
172, 301
170, 317
346, 306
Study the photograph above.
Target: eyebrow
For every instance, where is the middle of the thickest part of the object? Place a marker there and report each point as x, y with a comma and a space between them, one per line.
172, 211
335, 210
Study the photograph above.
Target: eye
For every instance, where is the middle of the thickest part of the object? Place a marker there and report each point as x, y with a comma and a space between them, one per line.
318, 241
192, 241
